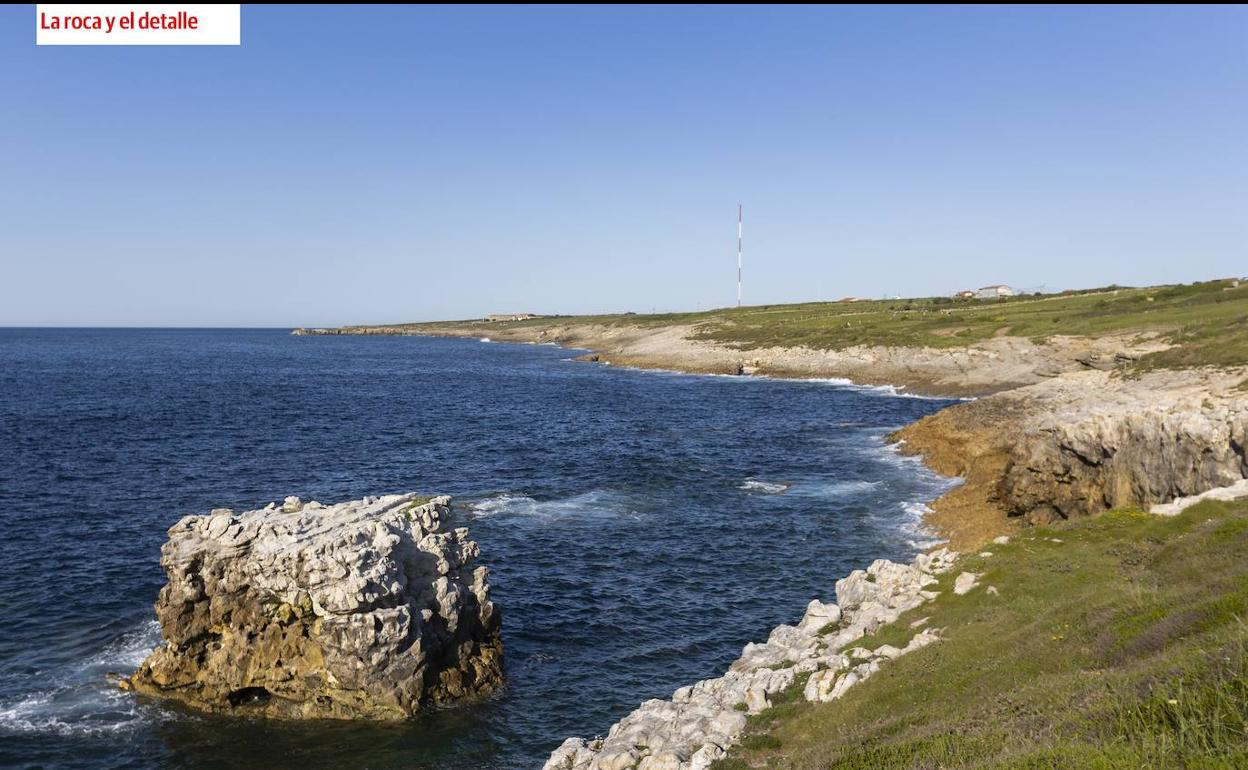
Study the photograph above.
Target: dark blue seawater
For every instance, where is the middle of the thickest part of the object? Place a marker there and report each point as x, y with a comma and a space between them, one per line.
636, 523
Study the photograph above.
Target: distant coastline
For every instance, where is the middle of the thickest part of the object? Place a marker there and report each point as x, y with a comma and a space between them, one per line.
1030, 391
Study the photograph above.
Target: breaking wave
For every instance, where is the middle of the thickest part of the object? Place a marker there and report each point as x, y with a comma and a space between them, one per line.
764, 487
82, 700
598, 502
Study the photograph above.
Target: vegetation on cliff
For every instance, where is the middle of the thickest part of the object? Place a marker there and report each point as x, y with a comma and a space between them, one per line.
1119, 641
1207, 321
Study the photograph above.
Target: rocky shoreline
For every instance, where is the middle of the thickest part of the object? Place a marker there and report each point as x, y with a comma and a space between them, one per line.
974, 370
1057, 431
700, 722
1080, 444
372, 609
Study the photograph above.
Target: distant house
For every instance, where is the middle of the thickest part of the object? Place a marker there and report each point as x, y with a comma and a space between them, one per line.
511, 317
994, 291
853, 299
968, 294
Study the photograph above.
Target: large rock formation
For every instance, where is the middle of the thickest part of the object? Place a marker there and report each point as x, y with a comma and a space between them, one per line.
1082, 443
366, 609
701, 721
1099, 442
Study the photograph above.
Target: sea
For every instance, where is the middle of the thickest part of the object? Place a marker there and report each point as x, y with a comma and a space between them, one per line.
640, 526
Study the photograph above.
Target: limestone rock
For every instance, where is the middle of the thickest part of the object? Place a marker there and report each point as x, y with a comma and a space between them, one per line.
366, 609
1097, 443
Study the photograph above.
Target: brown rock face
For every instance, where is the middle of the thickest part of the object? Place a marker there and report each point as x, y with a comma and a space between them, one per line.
367, 609
1150, 452
1083, 443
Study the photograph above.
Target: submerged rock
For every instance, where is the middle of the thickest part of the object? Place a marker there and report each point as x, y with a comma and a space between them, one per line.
365, 609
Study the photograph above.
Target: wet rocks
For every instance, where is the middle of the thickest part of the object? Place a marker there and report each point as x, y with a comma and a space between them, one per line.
698, 724
366, 609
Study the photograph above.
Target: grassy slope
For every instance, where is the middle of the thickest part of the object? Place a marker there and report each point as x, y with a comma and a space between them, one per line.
1209, 319
1123, 646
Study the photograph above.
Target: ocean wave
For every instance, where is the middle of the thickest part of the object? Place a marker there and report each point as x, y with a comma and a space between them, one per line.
834, 490
918, 535
896, 391
765, 487
598, 502
82, 700
107, 712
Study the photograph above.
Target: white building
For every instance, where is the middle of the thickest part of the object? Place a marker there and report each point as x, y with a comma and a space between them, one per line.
993, 292
511, 317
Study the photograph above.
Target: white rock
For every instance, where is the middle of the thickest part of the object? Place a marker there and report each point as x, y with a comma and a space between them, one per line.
703, 719
819, 686
1231, 492
704, 757
843, 684
818, 615
965, 582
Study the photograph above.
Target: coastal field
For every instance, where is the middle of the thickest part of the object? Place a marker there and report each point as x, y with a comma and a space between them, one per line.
1205, 322
1114, 642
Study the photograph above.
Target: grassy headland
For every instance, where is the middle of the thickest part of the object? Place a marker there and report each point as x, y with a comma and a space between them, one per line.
1207, 322
1124, 645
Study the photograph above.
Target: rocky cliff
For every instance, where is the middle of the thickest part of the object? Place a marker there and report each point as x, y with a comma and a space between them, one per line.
1085, 442
366, 609
1103, 443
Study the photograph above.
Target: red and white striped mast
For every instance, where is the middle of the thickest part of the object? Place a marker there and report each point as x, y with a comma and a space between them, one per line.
738, 255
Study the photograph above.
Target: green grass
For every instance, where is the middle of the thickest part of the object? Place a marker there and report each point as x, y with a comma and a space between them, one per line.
416, 502
1208, 320
1123, 646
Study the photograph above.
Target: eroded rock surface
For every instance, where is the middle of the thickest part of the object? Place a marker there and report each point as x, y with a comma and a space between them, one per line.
701, 721
366, 609
1096, 442
1082, 443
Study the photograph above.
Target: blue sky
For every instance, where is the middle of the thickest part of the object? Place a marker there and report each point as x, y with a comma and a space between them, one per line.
384, 164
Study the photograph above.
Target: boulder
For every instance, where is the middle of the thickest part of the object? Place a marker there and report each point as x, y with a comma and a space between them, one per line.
965, 583
367, 609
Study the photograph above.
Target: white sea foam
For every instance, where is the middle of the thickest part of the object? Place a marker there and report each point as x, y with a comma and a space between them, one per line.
765, 487
834, 490
596, 502
81, 700
485, 339
918, 535
897, 391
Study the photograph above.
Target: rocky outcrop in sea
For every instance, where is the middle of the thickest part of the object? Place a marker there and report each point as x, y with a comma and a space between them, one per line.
366, 609
700, 722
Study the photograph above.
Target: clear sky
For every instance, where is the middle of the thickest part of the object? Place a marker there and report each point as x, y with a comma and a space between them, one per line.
386, 164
